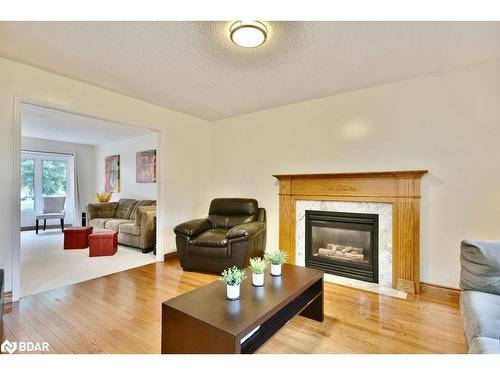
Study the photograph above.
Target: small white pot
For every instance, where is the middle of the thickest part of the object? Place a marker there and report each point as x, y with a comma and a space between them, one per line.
276, 269
233, 292
257, 279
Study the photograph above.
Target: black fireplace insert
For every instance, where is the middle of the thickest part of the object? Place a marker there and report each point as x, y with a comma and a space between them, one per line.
343, 244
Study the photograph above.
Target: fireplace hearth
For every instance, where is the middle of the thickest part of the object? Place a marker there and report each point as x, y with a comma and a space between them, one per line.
342, 243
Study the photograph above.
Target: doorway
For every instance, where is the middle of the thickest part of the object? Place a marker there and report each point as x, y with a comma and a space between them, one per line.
62, 156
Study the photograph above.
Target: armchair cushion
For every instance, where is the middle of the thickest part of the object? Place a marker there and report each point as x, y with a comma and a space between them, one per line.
229, 212
193, 228
480, 261
246, 230
211, 238
222, 221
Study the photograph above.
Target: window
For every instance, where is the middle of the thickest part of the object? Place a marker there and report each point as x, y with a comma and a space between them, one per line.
45, 174
54, 176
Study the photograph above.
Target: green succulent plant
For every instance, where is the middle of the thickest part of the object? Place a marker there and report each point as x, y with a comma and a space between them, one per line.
233, 276
276, 257
258, 265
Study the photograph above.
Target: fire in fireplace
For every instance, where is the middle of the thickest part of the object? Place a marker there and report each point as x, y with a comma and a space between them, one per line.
343, 244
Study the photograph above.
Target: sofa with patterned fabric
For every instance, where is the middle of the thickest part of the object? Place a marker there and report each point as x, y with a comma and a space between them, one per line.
132, 219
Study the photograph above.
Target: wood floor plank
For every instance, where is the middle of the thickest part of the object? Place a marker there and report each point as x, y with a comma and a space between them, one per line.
121, 313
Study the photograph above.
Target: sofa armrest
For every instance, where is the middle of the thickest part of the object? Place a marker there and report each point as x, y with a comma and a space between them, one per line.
480, 266
101, 210
193, 227
246, 230
144, 213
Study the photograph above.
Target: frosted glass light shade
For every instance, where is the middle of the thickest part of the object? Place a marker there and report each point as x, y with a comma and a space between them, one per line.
248, 33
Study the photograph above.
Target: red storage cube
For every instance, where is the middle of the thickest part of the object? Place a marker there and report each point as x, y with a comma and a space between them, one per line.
77, 237
103, 243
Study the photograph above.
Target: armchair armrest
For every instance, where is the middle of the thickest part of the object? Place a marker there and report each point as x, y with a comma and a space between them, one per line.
193, 227
246, 230
102, 210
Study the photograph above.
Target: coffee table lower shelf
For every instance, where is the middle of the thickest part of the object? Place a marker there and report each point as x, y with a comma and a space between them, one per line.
308, 304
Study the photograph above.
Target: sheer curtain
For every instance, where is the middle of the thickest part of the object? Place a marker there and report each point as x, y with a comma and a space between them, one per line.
75, 220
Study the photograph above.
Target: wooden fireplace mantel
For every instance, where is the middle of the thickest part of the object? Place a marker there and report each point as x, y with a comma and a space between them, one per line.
400, 188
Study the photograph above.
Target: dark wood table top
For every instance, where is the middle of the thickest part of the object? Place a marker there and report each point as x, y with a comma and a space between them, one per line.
209, 304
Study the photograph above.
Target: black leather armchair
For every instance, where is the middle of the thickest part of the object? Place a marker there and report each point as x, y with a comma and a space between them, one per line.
233, 232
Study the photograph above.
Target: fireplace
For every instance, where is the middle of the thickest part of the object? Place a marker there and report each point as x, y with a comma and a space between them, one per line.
342, 243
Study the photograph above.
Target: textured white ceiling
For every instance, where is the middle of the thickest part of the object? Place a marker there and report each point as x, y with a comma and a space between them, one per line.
193, 67
46, 123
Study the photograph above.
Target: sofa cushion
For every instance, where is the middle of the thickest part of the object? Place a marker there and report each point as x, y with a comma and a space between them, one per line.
130, 228
125, 208
480, 261
113, 224
484, 345
481, 315
141, 204
99, 222
212, 238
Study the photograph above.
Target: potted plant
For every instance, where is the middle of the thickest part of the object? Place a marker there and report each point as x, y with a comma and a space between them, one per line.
233, 277
276, 258
258, 266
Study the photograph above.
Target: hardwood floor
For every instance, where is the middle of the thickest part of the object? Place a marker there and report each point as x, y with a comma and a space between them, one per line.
121, 313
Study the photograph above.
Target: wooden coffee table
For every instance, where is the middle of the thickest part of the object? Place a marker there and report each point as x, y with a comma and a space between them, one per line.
203, 321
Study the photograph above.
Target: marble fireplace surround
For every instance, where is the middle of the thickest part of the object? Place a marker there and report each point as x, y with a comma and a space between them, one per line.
400, 189
384, 212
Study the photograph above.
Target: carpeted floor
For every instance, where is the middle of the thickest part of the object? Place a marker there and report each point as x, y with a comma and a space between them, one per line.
45, 265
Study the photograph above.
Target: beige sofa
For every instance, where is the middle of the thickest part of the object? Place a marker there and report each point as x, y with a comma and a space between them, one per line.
132, 219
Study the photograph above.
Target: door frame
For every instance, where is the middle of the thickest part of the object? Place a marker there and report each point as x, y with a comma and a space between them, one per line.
20, 99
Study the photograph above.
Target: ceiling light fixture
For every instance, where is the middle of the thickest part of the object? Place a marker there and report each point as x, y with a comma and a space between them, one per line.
248, 33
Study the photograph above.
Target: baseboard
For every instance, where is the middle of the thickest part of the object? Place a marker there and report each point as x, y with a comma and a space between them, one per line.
439, 292
172, 255
40, 228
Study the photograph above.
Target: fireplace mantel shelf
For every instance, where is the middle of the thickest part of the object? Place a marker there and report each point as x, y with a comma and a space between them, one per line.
416, 173
400, 188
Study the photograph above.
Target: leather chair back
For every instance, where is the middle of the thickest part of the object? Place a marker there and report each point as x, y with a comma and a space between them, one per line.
229, 212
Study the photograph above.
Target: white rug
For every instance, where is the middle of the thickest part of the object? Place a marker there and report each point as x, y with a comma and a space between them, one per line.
45, 265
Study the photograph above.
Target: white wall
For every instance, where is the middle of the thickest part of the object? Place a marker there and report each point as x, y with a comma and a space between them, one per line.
127, 150
448, 123
185, 169
85, 165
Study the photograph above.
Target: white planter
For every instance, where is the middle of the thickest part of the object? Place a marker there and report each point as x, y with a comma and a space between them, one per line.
276, 269
257, 279
233, 292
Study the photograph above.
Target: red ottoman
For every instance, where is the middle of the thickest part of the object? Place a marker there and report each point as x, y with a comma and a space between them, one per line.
77, 237
103, 243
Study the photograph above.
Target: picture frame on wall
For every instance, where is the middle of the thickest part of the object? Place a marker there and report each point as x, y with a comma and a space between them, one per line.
146, 166
112, 174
